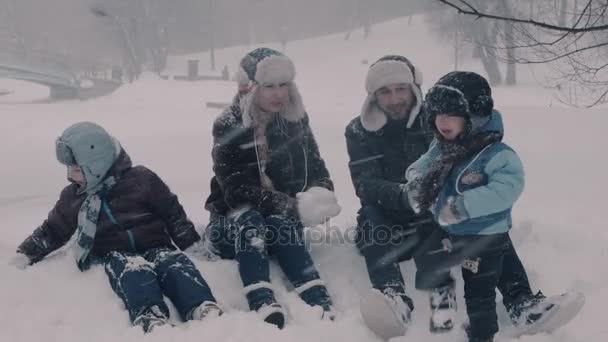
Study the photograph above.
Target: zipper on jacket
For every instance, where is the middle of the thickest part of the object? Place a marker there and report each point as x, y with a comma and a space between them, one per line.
110, 216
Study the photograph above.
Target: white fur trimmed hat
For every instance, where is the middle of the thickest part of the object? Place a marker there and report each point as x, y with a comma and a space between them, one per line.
267, 66
390, 69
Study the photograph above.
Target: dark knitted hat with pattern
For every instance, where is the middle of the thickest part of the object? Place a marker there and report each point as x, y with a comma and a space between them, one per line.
460, 93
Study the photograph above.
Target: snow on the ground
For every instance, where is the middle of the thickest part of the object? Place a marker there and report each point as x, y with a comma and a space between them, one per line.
559, 222
20, 91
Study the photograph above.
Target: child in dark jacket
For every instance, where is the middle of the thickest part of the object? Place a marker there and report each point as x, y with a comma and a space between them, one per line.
128, 220
469, 179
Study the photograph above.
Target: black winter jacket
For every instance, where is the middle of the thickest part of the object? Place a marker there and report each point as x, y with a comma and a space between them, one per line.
379, 159
294, 165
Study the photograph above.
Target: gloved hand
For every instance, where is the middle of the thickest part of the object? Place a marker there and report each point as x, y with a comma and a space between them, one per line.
316, 206
453, 211
411, 195
202, 250
20, 261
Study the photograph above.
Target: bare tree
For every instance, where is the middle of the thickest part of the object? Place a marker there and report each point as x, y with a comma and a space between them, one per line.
468, 34
142, 31
361, 17
576, 52
11, 38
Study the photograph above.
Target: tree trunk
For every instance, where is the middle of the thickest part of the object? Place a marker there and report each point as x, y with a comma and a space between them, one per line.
13, 32
490, 64
575, 12
456, 49
511, 76
531, 8
488, 60
355, 19
212, 34
562, 12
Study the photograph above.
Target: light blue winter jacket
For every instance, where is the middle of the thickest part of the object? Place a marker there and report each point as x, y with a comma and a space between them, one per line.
486, 186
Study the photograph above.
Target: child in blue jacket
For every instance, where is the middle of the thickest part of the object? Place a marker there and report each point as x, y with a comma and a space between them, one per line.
469, 179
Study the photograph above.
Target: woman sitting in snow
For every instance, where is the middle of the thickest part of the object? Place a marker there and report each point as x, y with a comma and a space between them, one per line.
127, 219
470, 180
270, 182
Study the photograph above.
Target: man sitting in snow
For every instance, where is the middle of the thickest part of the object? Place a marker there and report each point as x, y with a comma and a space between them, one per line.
382, 142
127, 219
270, 182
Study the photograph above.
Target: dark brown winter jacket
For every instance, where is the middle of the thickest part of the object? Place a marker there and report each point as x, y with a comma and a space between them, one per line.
138, 213
294, 165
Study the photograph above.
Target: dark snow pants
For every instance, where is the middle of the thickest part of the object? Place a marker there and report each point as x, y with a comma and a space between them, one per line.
488, 262
387, 238
141, 280
251, 238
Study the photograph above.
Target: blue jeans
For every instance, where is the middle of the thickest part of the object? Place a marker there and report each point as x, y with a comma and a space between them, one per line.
251, 238
141, 280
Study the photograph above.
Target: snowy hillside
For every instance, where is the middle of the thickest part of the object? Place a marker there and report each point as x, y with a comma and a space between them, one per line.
560, 227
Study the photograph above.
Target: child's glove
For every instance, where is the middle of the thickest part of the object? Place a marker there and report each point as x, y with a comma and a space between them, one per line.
410, 197
317, 205
453, 211
20, 261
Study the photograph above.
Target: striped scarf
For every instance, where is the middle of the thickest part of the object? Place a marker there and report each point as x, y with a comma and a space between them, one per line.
88, 216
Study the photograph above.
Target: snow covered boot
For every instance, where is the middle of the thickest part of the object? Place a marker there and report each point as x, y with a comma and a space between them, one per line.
206, 309
151, 318
538, 313
443, 309
261, 300
529, 310
273, 314
328, 313
314, 293
387, 314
